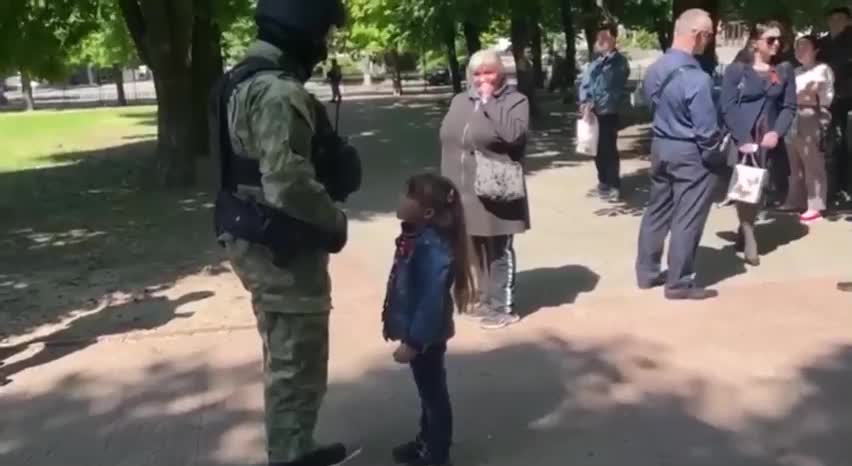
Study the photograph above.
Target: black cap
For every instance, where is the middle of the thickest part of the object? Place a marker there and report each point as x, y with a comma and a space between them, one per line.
310, 17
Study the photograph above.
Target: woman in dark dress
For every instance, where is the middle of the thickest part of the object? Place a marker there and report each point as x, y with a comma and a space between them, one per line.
490, 119
758, 107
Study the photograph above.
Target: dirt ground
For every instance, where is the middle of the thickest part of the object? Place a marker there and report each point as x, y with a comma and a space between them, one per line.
128, 341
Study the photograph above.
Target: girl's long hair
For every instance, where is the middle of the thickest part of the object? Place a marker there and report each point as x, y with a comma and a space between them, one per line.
440, 194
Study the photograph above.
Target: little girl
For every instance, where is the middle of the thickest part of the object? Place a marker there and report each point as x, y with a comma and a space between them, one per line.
431, 260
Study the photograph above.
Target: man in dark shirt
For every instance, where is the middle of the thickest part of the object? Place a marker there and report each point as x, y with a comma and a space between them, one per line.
836, 50
685, 143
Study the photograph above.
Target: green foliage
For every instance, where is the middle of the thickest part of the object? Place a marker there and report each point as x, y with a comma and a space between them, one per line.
801, 13
39, 36
641, 39
236, 39
236, 20
109, 43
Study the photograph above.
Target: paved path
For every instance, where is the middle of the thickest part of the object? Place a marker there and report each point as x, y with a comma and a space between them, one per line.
599, 373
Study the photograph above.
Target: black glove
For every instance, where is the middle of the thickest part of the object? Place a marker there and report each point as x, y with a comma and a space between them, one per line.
337, 240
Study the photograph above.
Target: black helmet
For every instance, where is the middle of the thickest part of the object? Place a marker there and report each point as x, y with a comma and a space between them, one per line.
299, 27
313, 18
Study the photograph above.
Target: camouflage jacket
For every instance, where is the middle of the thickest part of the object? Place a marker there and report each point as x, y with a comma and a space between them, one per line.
271, 118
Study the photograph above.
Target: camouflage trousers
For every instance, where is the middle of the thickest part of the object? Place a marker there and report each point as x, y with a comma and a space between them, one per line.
294, 331
295, 368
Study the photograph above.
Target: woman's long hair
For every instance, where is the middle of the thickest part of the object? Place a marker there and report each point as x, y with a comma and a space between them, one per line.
438, 193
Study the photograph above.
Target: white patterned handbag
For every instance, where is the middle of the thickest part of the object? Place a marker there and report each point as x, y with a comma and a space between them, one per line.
748, 181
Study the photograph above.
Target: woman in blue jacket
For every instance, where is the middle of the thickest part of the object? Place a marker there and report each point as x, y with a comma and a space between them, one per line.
758, 107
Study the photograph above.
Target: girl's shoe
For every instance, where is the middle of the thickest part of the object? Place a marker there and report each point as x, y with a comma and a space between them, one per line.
478, 312
810, 216
408, 452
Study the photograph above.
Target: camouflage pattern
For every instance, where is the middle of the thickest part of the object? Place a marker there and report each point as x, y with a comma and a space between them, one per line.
271, 118
295, 361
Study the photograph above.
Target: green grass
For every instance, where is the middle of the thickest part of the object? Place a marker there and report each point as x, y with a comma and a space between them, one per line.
40, 139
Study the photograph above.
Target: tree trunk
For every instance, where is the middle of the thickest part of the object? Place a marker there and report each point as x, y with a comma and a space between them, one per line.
207, 68
396, 74
27, 90
523, 68
471, 37
708, 60
567, 16
367, 70
537, 62
119, 84
175, 151
163, 34
592, 18
90, 75
452, 56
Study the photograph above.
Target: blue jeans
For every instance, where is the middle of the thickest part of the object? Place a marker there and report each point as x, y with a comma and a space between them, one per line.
436, 417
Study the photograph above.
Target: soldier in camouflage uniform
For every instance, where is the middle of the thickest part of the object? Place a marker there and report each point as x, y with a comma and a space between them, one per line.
272, 118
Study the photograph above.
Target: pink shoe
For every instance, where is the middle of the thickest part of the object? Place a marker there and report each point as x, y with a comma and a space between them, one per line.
810, 216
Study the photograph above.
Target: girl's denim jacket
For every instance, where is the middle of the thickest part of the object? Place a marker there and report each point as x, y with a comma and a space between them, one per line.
418, 309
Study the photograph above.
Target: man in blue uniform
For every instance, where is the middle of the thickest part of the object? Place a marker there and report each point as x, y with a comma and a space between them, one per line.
685, 145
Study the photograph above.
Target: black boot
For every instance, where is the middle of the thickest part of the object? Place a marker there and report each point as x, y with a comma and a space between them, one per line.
325, 456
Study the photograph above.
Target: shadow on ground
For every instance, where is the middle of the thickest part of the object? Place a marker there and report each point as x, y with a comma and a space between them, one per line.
135, 313
544, 288
549, 403
76, 235
773, 232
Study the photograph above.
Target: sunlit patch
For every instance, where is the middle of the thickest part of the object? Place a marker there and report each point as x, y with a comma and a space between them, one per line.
42, 240
8, 446
15, 285
546, 153
110, 191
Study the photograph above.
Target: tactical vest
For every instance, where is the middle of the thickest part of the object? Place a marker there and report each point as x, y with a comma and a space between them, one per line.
234, 169
337, 168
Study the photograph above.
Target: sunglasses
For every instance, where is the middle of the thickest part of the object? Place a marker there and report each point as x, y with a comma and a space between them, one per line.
772, 40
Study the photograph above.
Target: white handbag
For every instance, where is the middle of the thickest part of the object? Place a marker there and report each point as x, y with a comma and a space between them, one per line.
587, 135
748, 181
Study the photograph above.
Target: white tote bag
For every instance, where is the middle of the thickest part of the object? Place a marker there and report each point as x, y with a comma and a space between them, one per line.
587, 135
748, 181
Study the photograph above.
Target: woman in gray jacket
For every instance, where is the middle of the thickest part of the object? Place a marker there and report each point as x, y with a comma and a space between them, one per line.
490, 120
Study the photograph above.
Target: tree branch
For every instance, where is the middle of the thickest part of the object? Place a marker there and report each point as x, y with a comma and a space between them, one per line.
168, 33
132, 14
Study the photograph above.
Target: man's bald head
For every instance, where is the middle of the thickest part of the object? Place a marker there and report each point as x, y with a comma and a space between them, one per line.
693, 31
